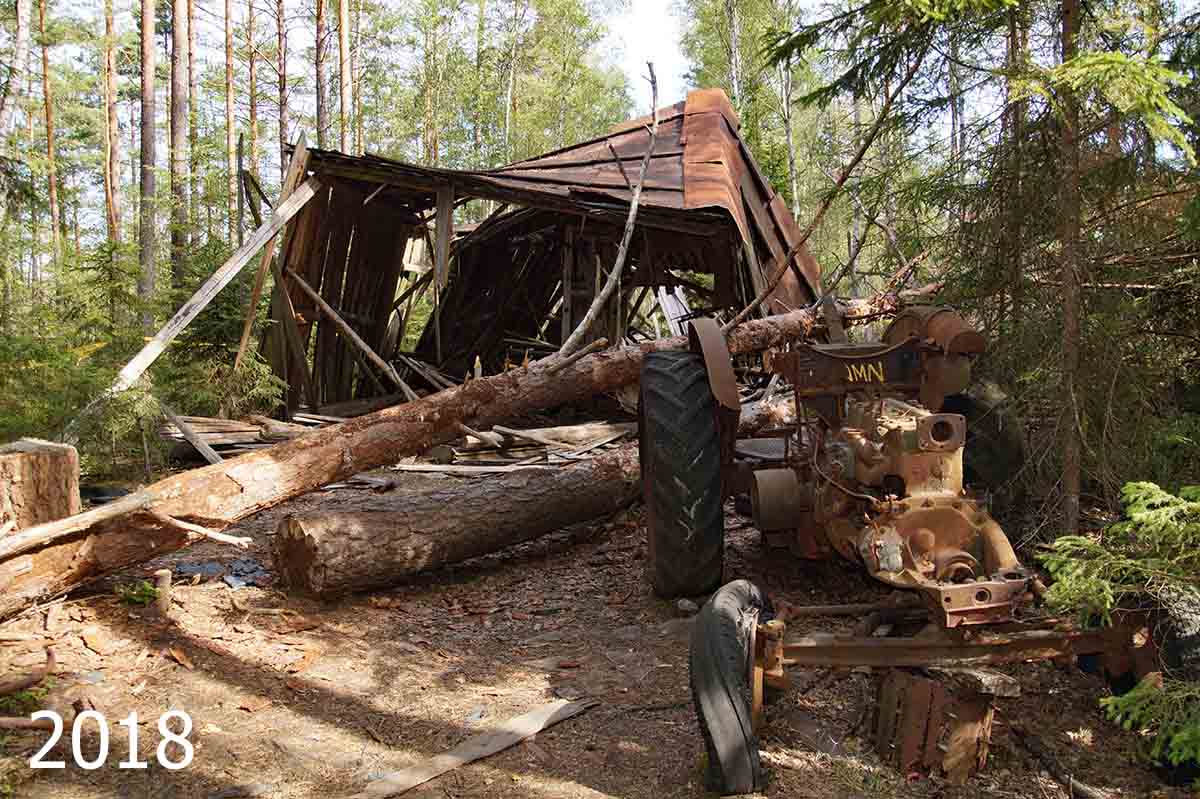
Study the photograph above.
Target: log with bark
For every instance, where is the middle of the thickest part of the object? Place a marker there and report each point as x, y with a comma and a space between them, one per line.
39, 482
327, 554
332, 553
59, 556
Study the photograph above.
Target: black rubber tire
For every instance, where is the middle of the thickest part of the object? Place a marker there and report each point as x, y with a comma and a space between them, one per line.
717, 660
680, 452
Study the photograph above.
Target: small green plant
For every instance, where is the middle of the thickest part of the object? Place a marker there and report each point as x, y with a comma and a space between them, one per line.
1152, 555
1168, 710
137, 593
22, 703
1154, 551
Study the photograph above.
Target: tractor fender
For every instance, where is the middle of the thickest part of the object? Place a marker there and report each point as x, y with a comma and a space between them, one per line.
706, 339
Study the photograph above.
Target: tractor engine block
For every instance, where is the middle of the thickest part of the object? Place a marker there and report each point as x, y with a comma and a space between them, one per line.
879, 477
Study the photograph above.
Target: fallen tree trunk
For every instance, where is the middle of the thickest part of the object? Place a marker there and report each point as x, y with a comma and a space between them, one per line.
51, 559
328, 554
333, 553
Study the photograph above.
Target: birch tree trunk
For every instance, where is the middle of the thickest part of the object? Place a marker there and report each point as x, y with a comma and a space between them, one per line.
178, 144
51, 165
147, 234
20, 64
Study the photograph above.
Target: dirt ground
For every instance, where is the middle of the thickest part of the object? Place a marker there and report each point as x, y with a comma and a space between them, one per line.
291, 698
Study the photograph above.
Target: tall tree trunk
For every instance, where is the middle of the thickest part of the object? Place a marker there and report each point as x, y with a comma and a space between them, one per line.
512, 81
20, 64
344, 75
193, 100
112, 132
477, 112
1017, 55
1069, 223
319, 66
735, 52
146, 212
281, 69
785, 73
178, 145
252, 50
356, 76
51, 165
230, 144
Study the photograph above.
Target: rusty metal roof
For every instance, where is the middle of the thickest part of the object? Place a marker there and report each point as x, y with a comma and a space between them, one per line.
700, 171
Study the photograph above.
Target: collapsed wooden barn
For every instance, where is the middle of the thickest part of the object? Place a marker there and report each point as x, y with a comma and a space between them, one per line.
709, 221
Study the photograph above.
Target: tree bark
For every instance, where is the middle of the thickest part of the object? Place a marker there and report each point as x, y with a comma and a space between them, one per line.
112, 132
319, 67
1069, 223
230, 144
356, 77
48, 561
735, 53
51, 165
344, 75
252, 57
20, 64
477, 111
193, 129
281, 69
146, 231
39, 482
178, 144
328, 554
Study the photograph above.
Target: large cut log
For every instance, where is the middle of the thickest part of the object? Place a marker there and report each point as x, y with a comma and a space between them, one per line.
39, 482
56, 557
332, 553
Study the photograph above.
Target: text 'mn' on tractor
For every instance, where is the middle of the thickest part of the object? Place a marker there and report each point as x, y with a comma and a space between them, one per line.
872, 472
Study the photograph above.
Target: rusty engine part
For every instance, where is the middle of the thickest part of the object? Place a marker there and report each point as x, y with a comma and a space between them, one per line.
880, 477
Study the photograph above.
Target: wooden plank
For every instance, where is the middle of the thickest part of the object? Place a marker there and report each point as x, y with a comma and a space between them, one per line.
295, 172
191, 435
217, 281
476, 747
291, 333
349, 333
445, 230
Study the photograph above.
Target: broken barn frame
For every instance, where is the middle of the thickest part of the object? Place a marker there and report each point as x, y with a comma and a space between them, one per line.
529, 271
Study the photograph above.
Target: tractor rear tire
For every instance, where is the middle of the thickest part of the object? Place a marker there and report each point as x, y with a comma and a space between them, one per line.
680, 453
717, 671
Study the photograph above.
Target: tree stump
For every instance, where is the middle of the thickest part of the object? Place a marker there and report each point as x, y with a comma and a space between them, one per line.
39, 482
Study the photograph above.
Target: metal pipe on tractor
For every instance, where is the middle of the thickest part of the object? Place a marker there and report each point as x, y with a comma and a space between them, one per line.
871, 472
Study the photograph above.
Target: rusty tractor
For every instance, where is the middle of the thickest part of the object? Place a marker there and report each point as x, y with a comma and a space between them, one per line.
873, 472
